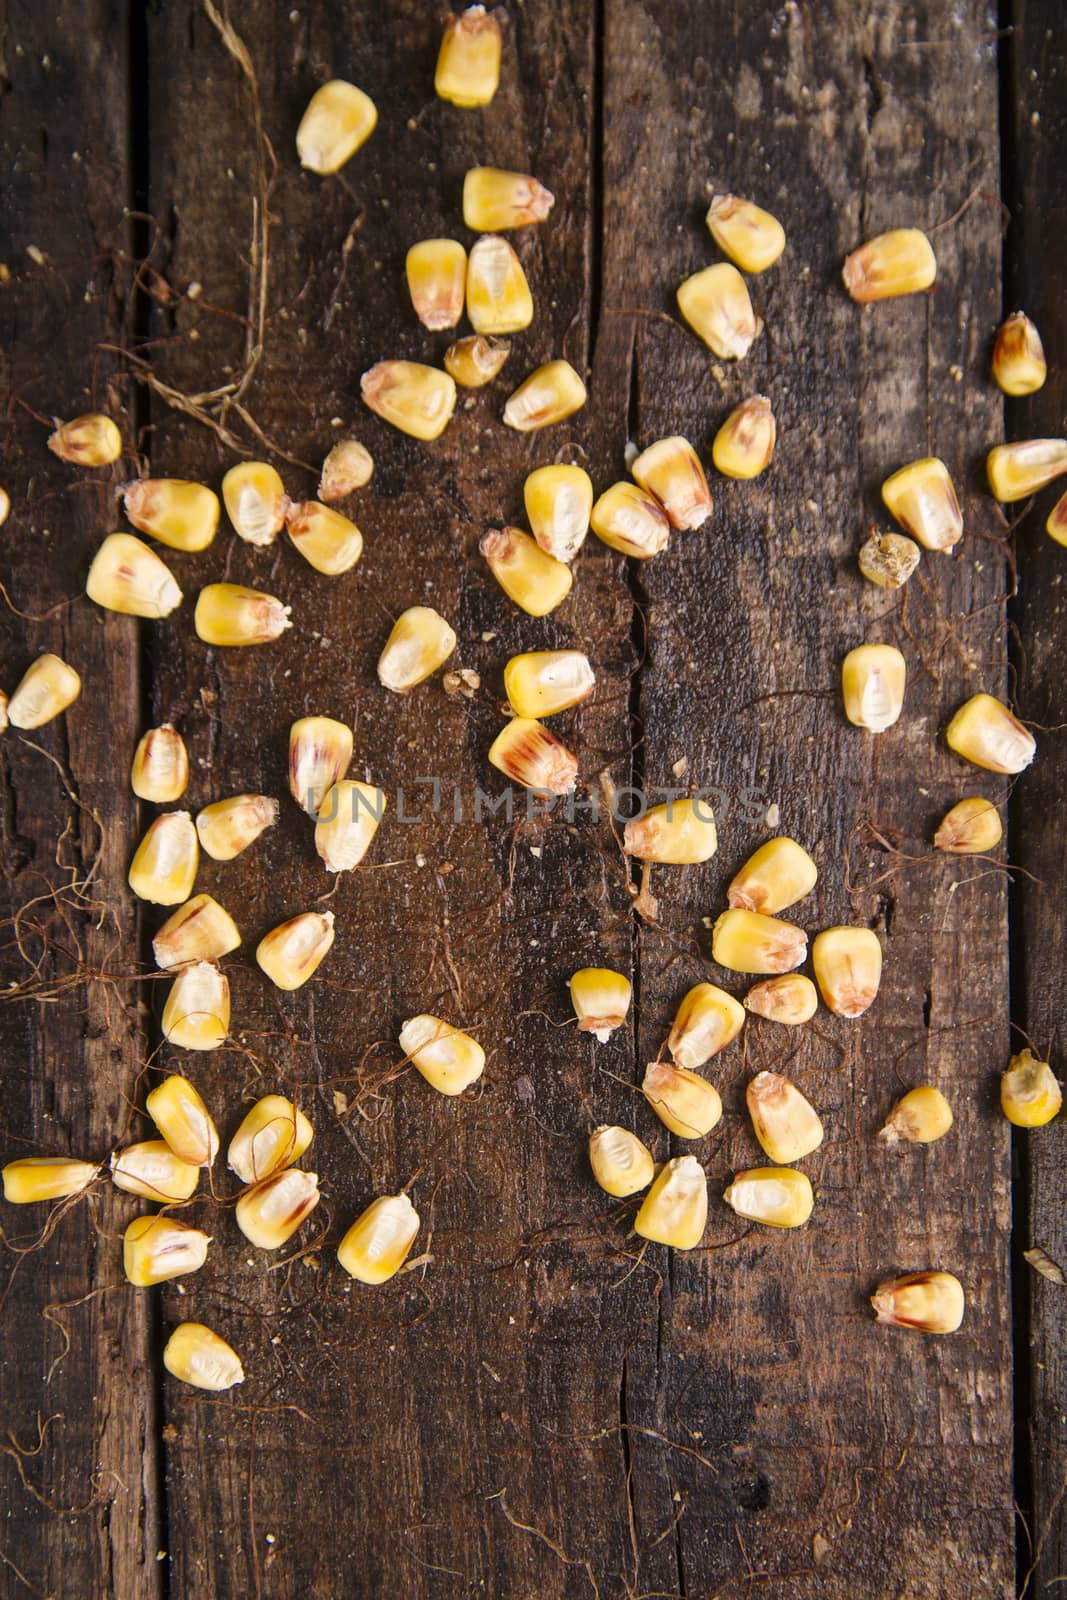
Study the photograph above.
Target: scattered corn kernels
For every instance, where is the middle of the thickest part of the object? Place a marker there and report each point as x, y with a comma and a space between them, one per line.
707, 1020
226, 827
255, 501
922, 498
716, 305
748, 941
744, 444
320, 749
537, 582
683, 1101
475, 361
46, 690
160, 769
180, 514
601, 999
1030, 1095
272, 1135
495, 200
889, 559
921, 1116
348, 467
196, 1015
182, 1118
984, 732
292, 952
1019, 365
339, 118
89, 441
530, 755
447, 1058
347, 822
670, 472
229, 614
548, 395
971, 827
629, 519
621, 1164
127, 576
791, 999
930, 1302
779, 1197
677, 832
420, 642
329, 542
873, 680
436, 272
498, 295
1016, 471
163, 869
380, 1240
200, 930
32, 1179
559, 501
847, 962
468, 63
152, 1170
270, 1212
675, 1210
775, 877
541, 682
784, 1121
750, 236
155, 1249
195, 1355
417, 399
899, 262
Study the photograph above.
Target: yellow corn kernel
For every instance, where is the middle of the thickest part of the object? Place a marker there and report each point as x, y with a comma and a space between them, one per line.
348, 467
182, 1118
847, 962
178, 513
272, 1135
930, 1302
783, 1120
748, 941
899, 262
291, 952
255, 501
601, 999
750, 236
548, 395
678, 832
779, 1197
542, 682
380, 1240
327, 541
196, 1015
155, 1249
675, 1209
417, 399
229, 826
494, 200
1030, 1096
629, 519
160, 770
707, 1020
683, 1101
498, 295
229, 614
670, 472
1019, 356
559, 501
47, 688
921, 1116
436, 272
152, 1170
468, 63
888, 559
1056, 526
347, 822
775, 877
195, 1355
922, 498
127, 576
984, 732
4, 722
163, 869
89, 441
791, 999
1016, 471
200, 930
744, 444
35, 1178
448, 1059
537, 582
716, 305
972, 827
421, 641
5, 506
320, 749
873, 679
339, 118
529, 755
621, 1164
475, 361
270, 1212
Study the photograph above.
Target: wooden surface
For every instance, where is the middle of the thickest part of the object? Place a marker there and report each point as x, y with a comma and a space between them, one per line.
535, 1411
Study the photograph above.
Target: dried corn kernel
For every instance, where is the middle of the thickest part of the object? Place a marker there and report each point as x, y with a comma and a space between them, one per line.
4, 720
127, 576
177, 513
475, 361
629, 519
972, 827
89, 441
601, 999
670, 472
529, 755
675, 1209
152, 1170
163, 869
683, 1101
468, 64
537, 582
679, 832
750, 236
542, 682
1056, 526
848, 969
790, 999
984, 732
5, 506
922, 498
272, 1135
921, 1116
421, 641
559, 500
160, 770
748, 941
320, 749
47, 688
339, 118
35, 1178
229, 826
417, 399
348, 467
498, 295
778, 875
448, 1059
230, 614
291, 953
380, 1240
182, 1118
873, 679
255, 501
347, 822
436, 272
155, 1249
931, 1302
197, 1012
329, 542
899, 262
494, 200
270, 1212
548, 395
779, 1197
621, 1164
1016, 471
707, 1020
783, 1120
744, 444
716, 305
200, 930
1018, 356
1030, 1096
889, 559
195, 1355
